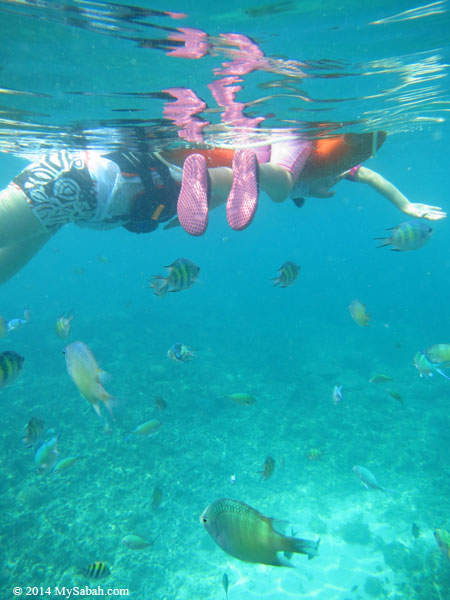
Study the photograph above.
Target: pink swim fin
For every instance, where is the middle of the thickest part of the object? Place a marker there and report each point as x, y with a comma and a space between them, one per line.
193, 200
243, 198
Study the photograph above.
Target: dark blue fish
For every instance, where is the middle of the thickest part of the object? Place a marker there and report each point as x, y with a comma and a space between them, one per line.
176, 349
181, 353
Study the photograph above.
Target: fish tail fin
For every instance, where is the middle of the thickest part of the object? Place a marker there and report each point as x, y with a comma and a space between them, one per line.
385, 244
96, 407
159, 284
108, 400
276, 281
441, 372
103, 376
302, 546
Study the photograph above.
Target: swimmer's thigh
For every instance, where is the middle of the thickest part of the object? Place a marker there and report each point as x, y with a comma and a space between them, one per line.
15, 256
17, 221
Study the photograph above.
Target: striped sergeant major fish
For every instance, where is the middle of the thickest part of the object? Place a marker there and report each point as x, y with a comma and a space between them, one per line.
183, 273
11, 364
409, 235
96, 570
34, 430
287, 274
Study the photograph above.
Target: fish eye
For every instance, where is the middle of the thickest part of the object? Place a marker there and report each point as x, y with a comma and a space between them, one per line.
204, 519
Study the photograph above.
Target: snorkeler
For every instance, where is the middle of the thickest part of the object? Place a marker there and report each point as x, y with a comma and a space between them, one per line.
290, 168
139, 191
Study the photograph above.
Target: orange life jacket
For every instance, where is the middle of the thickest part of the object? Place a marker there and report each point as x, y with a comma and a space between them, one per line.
329, 156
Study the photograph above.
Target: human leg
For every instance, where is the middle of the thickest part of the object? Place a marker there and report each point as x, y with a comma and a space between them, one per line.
16, 256
17, 220
274, 180
204, 188
21, 232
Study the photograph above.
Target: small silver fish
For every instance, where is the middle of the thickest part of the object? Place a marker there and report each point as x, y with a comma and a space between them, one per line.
46, 456
65, 464
136, 542
368, 479
15, 324
225, 584
337, 394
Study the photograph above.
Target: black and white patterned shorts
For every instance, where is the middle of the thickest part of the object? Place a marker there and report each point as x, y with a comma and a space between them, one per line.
59, 189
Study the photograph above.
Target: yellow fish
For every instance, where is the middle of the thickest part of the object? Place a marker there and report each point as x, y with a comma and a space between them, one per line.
435, 359
245, 533
241, 398
380, 378
359, 313
145, 429
65, 464
87, 375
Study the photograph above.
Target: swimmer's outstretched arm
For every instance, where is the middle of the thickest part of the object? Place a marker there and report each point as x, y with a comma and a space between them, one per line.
389, 191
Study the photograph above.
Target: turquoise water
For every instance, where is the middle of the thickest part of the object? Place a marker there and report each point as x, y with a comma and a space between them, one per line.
287, 347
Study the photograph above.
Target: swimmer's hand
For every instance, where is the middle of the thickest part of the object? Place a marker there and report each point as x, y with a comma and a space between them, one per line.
424, 211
